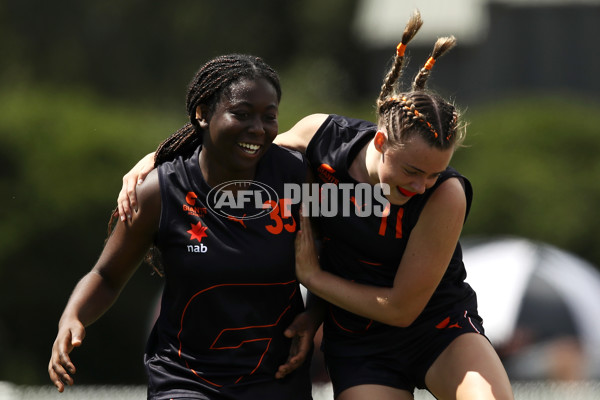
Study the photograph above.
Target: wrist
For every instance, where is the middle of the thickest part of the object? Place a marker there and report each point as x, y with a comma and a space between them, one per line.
310, 279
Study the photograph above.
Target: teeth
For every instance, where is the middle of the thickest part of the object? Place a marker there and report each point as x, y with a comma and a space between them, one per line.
252, 147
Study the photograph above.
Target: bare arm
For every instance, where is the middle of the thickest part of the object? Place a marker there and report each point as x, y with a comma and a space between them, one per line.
298, 137
98, 289
425, 260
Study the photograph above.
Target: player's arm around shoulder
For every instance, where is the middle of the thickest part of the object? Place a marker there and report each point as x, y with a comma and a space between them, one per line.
299, 135
429, 250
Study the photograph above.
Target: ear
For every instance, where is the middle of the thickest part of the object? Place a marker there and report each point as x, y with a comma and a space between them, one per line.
202, 116
379, 141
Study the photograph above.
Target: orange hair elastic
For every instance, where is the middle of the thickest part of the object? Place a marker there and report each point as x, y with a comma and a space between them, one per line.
400, 49
429, 63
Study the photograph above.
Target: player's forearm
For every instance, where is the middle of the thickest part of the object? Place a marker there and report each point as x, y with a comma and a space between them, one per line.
90, 299
371, 302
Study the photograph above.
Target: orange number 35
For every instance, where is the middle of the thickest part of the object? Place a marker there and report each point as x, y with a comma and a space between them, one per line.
280, 220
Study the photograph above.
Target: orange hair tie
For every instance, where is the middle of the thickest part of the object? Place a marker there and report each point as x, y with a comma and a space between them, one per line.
429, 63
400, 49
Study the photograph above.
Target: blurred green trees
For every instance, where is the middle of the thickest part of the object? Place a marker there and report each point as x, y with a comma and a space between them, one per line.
535, 167
62, 153
87, 88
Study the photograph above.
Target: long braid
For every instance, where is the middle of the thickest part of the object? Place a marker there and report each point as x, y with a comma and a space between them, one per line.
182, 141
418, 111
412, 27
442, 45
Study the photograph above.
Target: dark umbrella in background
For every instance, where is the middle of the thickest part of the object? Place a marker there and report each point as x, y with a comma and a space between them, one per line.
540, 305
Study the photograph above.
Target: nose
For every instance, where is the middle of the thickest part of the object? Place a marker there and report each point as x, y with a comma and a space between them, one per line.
420, 185
257, 126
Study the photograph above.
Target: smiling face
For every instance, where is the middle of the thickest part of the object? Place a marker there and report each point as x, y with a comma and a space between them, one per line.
241, 127
411, 168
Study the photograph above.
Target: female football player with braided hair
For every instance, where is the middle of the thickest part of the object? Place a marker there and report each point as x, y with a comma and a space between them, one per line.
400, 313
230, 289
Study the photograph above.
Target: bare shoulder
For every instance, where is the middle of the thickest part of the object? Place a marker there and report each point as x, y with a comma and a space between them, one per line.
299, 135
449, 197
149, 200
452, 187
150, 185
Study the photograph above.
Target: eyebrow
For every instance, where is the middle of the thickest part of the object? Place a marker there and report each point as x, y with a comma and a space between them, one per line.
423, 172
249, 104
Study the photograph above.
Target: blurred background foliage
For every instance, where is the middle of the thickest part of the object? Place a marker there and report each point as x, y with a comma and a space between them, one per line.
88, 88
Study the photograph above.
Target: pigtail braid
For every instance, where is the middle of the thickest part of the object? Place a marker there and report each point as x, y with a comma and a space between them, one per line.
442, 45
412, 27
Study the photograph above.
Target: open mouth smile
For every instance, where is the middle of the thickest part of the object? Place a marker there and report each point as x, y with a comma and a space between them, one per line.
249, 147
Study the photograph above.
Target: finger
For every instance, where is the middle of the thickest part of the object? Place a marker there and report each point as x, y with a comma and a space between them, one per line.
64, 348
145, 170
295, 360
307, 227
54, 375
77, 335
289, 332
121, 212
64, 364
131, 194
58, 374
301, 245
286, 368
302, 348
282, 372
123, 202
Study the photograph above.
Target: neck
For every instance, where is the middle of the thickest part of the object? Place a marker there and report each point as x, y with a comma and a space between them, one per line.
214, 172
372, 159
364, 166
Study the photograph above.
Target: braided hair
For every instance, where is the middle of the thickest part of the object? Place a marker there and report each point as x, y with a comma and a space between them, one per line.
212, 79
418, 111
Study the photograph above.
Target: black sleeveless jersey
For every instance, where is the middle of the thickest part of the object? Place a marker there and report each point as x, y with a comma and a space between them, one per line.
230, 287
369, 249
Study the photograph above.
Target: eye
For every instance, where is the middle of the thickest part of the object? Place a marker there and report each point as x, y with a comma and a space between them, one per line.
241, 114
271, 117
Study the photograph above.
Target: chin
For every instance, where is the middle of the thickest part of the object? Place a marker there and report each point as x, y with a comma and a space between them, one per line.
396, 201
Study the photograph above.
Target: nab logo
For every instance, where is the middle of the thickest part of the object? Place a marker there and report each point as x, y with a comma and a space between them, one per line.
198, 232
201, 248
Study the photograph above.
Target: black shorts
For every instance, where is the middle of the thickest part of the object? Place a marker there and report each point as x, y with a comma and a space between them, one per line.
405, 366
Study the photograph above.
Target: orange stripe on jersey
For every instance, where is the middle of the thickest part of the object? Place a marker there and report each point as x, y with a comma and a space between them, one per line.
399, 223
384, 216
370, 263
212, 346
